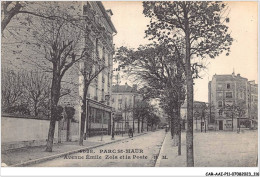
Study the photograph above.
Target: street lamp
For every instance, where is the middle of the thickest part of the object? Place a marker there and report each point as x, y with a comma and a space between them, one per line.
113, 126
107, 97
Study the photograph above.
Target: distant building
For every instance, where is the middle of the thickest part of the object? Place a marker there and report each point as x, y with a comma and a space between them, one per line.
124, 99
233, 102
200, 116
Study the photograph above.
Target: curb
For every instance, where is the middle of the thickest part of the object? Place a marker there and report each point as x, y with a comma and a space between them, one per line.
158, 160
66, 153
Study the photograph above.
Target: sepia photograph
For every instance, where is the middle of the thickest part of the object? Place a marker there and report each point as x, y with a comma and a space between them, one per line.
129, 84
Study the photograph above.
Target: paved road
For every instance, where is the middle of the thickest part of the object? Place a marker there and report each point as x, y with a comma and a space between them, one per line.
135, 152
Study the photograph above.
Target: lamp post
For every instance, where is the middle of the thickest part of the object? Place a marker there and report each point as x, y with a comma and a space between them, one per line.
107, 97
113, 126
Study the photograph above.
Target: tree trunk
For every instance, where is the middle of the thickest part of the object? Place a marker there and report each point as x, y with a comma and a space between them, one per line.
83, 111
55, 95
172, 127
175, 129
59, 131
133, 124
35, 109
9, 15
189, 80
179, 129
68, 130
142, 125
138, 126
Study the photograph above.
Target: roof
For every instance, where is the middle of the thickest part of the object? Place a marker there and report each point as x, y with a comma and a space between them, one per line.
195, 103
124, 88
226, 77
102, 8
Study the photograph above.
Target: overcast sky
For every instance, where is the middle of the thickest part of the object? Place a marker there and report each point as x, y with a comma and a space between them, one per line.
131, 24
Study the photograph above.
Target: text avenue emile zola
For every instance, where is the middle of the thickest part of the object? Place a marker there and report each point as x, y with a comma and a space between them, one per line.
110, 154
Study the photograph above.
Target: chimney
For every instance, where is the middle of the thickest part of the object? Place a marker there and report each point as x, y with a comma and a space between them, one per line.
238, 75
109, 12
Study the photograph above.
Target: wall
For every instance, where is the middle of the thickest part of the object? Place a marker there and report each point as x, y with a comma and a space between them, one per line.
23, 132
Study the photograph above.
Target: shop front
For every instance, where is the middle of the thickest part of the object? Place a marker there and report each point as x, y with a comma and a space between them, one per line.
99, 119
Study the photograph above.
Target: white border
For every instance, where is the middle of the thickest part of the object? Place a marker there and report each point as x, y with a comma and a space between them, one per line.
132, 171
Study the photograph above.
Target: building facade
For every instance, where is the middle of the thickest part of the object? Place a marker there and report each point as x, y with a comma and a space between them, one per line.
233, 102
100, 49
124, 99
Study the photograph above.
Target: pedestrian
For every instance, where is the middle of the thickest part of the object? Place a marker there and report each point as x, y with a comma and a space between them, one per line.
130, 132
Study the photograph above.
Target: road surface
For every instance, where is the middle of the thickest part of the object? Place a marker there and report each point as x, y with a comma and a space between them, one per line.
140, 151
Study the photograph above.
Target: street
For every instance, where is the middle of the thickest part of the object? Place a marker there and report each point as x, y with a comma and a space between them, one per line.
212, 149
135, 152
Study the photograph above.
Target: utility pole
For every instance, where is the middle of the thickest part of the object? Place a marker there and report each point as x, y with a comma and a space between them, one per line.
102, 126
125, 114
133, 113
113, 126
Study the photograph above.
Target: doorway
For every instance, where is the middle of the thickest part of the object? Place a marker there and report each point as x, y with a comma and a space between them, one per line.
220, 123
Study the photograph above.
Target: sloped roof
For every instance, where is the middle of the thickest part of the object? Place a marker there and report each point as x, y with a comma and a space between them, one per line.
226, 77
123, 88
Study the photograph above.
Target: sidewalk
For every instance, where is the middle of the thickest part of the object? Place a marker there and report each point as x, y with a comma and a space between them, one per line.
30, 155
213, 149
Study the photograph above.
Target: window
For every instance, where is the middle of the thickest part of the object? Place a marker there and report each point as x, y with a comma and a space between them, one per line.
220, 94
103, 53
96, 92
228, 94
219, 86
108, 79
220, 112
220, 104
228, 85
241, 94
103, 95
97, 46
119, 105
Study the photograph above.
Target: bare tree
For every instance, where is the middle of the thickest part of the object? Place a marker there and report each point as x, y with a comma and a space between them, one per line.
12, 8
36, 86
12, 89
56, 45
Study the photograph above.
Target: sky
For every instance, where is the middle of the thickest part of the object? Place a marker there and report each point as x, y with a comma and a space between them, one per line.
131, 24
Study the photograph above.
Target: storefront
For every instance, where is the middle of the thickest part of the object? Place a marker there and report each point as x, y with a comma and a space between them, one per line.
99, 119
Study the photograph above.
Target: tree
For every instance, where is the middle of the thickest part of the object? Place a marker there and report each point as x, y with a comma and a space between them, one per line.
12, 89
70, 112
141, 112
90, 70
202, 27
158, 66
93, 65
56, 45
36, 87
12, 8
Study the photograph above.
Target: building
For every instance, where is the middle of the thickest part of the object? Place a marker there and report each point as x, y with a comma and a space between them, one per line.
200, 116
233, 102
124, 99
99, 41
